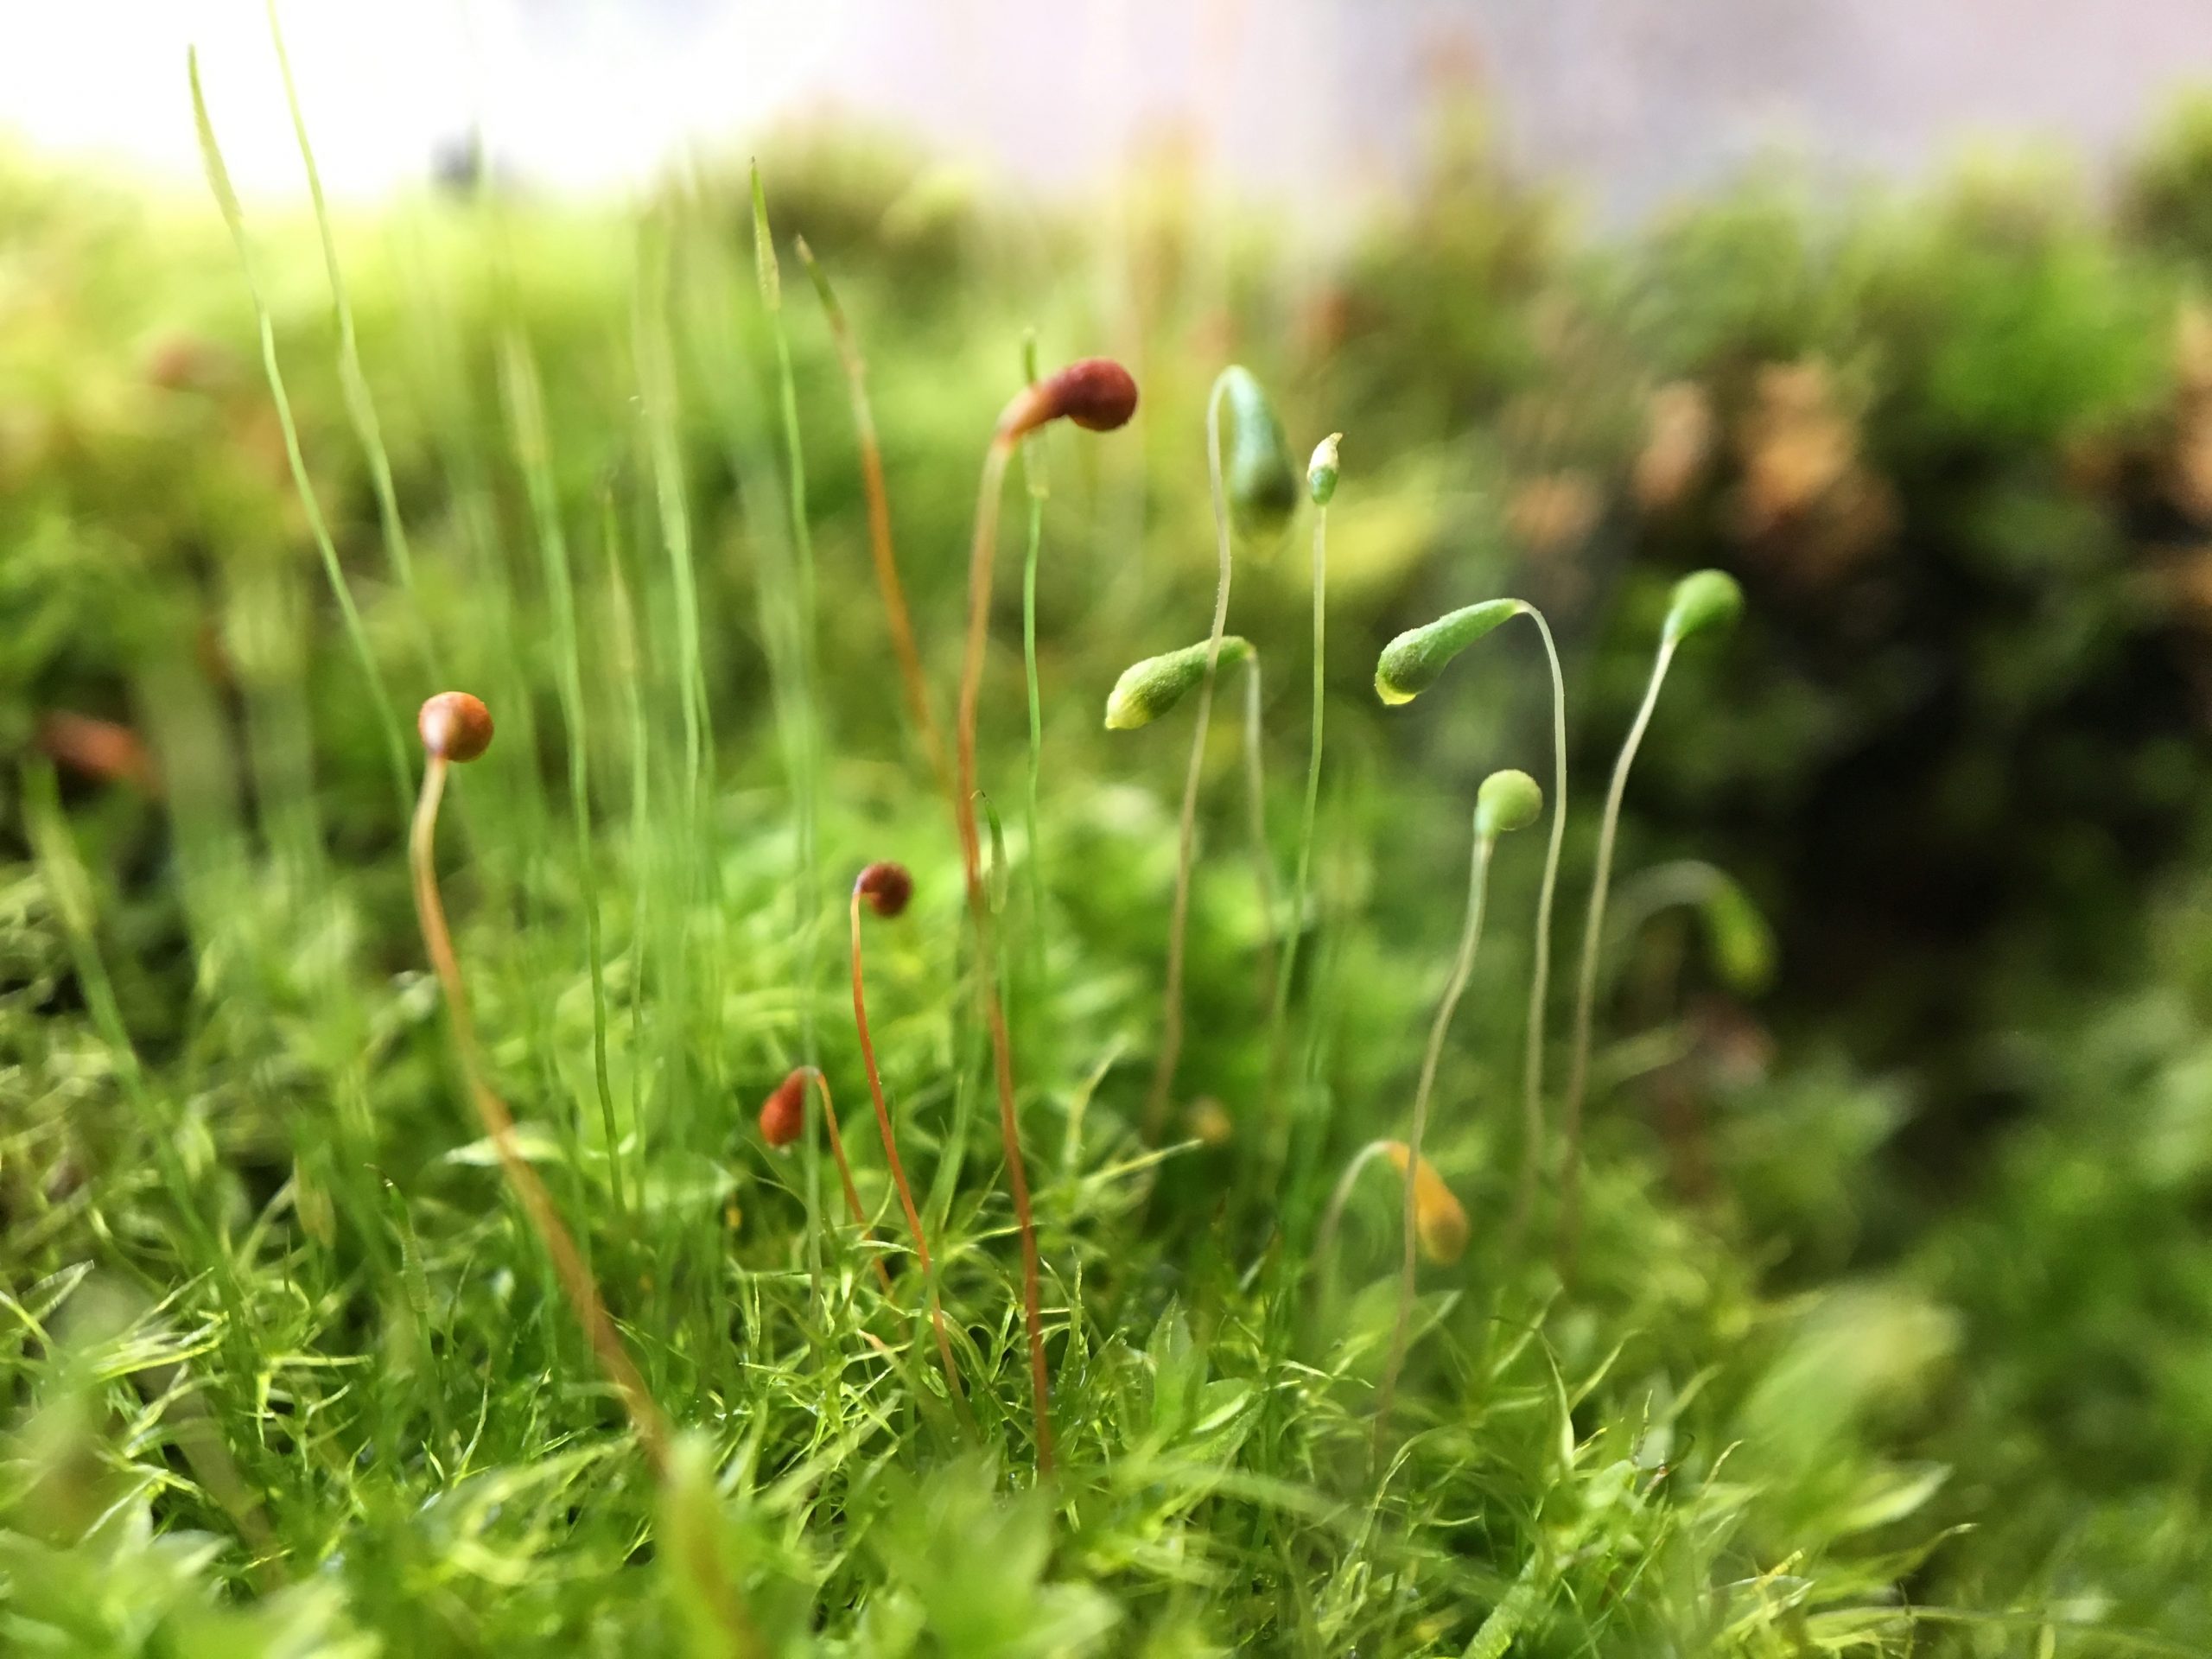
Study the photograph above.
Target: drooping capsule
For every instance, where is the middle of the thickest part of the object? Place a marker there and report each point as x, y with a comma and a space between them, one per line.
1097, 393
783, 1115
886, 886
1440, 1222
1149, 689
1410, 664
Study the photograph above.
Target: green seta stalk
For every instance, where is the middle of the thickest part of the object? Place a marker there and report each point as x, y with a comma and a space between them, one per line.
1410, 664
882, 553
1507, 801
1253, 494
1321, 475
1034, 484
807, 785
1149, 689
1703, 600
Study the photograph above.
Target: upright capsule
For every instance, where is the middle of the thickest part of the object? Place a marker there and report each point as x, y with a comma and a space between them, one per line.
1507, 801
1322, 470
455, 726
1258, 474
1703, 598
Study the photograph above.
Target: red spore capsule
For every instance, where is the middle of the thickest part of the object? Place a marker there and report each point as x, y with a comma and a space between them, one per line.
455, 726
783, 1115
886, 887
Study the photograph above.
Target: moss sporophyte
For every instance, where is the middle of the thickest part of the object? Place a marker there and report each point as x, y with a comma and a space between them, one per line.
1408, 666
1253, 494
1098, 394
885, 889
1507, 801
1701, 602
456, 728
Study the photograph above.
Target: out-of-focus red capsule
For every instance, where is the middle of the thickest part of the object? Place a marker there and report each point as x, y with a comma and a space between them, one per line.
455, 726
1097, 393
783, 1115
887, 886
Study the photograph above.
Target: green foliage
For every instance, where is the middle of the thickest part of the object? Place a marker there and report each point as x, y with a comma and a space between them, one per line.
1887, 1332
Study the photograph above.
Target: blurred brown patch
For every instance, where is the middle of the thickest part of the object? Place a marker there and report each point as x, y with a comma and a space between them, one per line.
2190, 462
1807, 506
2184, 576
95, 748
1678, 438
1552, 514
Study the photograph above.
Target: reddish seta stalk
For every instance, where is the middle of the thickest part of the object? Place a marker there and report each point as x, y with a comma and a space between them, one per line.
885, 889
456, 728
1098, 394
881, 552
783, 1119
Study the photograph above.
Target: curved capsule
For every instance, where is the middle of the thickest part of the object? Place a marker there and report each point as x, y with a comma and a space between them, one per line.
1149, 689
1410, 662
1439, 1220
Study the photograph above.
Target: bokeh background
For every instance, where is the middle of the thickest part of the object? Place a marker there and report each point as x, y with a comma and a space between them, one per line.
1900, 312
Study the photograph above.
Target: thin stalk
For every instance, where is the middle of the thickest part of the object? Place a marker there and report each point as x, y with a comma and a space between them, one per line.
807, 785
1585, 989
898, 1168
979, 908
881, 551
575, 1278
526, 413
218, 180
1278, 1013
353, 383
1462, 965
656, 385
1171, 1040
1032, 476
1532, 1067
813, 1074
1255, 809
633, 708
1332, 1218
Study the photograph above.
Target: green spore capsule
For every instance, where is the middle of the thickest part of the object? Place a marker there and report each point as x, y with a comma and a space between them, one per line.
1149, 689
1704, 599
1262, 479
1741, 941
1410, 662
1508, 800
1321, 471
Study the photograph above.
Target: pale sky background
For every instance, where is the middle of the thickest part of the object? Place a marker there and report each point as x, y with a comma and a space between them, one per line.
1639, 100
